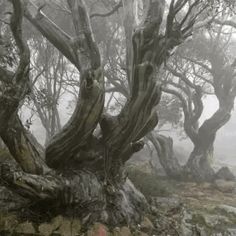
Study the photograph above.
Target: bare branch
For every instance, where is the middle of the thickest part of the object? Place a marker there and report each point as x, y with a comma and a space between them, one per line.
61, 40
89, 56
111, 12
181, 76
188, 125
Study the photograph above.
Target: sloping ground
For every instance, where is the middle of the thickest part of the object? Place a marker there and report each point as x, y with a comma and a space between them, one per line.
191, 208
211, 208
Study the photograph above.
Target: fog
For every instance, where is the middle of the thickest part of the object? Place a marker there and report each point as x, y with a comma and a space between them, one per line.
224, 148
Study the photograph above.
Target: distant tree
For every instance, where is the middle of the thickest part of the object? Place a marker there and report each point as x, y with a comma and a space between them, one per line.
202, 66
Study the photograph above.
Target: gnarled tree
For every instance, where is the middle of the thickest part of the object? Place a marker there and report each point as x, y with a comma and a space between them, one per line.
81, 169
205, 68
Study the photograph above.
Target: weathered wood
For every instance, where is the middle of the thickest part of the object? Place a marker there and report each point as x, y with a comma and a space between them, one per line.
83, 52
79, 190
21, 146
89, 169
76, 133
14, 88
199, 163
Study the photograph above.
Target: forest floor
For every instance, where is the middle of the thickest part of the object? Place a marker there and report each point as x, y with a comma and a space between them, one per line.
176, 209
205, 209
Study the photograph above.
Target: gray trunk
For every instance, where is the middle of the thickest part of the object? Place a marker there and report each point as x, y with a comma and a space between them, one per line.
198, 166
80, 192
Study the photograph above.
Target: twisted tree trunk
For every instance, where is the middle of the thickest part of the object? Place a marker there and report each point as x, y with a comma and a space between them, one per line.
87, 170
200, 160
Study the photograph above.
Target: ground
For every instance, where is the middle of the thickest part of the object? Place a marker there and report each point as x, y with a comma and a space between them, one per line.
192, 208
176, 208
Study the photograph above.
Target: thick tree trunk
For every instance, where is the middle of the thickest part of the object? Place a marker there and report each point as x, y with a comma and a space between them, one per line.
76, 190
87, 173
199, 163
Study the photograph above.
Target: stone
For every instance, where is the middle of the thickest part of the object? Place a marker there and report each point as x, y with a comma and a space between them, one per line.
139, 233
214, 220
65, 228
166, 202
116, 231
146, 225
8, 222
57, 221
25, 228
75, 226
60, 226
98, 230
227, 209
124, 231
225, 186
46, 229
225, 174
206, 185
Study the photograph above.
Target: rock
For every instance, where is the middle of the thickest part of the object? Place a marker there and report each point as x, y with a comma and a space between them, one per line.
227, 209
146, 225
57, 221
61, 226
8, 222
166, 203
98, 230
199, 194
46, 229
25, 228
206, 185
225, 174
154, 210
225, 186
65, 228
116, 231
139, 233
124, 231
75, 226
232, 231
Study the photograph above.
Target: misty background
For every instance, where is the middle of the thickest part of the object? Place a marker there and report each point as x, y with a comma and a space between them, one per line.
225, 148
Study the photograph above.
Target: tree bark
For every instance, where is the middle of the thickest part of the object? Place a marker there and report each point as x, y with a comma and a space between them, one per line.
76, 191
199, 163
87, 170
